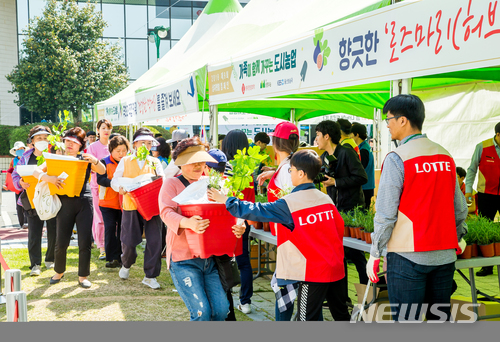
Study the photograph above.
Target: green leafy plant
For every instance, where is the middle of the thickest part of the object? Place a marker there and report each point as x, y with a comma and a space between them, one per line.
368, 221
348, 219
244, 165
55, 137
358, 217
261, 199
214, 179
142, 155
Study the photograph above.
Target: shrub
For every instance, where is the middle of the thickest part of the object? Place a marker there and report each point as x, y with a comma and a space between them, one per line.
5, 146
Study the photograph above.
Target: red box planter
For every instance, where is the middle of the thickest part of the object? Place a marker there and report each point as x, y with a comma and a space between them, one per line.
146, 197
219, 238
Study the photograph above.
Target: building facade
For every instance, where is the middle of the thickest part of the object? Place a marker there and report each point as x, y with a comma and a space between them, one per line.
129, 22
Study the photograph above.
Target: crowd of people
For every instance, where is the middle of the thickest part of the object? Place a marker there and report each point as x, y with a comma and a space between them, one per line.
419, 216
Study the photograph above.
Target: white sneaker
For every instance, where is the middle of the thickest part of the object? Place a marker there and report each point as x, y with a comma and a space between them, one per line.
124, 272
35, 271
151, 282
245, 308
49, 265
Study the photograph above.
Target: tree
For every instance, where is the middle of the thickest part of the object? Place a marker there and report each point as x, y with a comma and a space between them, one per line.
65, 64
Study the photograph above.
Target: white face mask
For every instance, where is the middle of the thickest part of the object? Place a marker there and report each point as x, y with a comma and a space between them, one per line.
41, 145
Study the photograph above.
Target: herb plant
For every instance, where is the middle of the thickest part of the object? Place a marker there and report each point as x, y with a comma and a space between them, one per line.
55, 138
244, 165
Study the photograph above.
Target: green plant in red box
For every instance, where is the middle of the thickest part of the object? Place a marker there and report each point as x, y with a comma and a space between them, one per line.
244, 164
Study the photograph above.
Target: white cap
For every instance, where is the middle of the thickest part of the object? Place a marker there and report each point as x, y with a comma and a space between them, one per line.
17, 146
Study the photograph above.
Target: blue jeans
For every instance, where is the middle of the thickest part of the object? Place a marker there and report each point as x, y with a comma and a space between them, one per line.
197, 281
246, 275
417, 286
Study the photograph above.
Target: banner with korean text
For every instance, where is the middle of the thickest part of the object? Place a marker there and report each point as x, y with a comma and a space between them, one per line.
157, 103
405, 40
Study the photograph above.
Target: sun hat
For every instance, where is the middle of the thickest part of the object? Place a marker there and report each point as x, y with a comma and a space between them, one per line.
17, 146
284, 130
154, 142
194, 154
178, 135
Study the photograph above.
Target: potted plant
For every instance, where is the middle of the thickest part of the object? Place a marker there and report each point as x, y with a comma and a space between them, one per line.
357, 219
347, 232
484, 237
496, 237
219, 239
142, 196
471, 236
369, 228
76, 169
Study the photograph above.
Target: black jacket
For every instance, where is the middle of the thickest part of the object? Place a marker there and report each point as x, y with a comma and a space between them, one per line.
350, 175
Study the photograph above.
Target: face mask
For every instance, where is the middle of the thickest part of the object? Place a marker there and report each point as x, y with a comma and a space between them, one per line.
41, 145
19, 153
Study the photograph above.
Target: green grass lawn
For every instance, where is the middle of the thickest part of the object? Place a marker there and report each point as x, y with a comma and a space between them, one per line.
109, 299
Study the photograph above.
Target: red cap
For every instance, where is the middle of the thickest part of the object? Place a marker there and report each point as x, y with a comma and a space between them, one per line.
284, 130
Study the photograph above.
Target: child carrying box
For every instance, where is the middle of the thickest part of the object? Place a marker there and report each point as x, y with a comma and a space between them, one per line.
311, 252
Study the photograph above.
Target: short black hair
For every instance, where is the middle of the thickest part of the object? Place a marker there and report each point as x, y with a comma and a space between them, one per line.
331, 128
345, 126
262, 137
461, 172
307, 161
158, 135
221, 137
409, 106
359, 129
163, 148
89, 133
497, 128
235, 140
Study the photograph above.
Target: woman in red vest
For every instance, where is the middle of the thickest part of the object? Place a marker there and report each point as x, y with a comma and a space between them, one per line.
285, 143
109, 201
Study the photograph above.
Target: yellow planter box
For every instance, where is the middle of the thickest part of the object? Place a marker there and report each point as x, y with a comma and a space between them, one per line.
31, 190
485, 308
76, 176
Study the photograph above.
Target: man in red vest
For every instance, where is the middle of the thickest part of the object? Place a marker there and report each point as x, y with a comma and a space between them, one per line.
487, 157
420, 214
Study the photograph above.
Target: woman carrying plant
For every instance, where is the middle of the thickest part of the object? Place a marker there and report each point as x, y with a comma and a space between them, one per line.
99, 149
74, 210
285, 143
133, 224
39, 136
109, 201
237, 140
196, 279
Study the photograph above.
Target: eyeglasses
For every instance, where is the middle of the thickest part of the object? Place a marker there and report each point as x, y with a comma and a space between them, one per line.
394, 117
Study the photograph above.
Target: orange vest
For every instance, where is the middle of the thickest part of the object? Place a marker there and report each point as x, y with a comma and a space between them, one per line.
109, 198
132, 170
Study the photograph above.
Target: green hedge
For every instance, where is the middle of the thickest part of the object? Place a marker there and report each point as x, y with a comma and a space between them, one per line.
10, 134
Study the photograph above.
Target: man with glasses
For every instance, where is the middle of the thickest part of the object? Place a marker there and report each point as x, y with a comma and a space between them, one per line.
420, 215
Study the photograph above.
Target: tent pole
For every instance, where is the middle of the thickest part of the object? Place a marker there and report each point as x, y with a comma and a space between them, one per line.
292, 116
214, 125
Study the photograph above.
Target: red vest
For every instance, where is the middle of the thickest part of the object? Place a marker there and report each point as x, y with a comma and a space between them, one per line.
273, 189
426, 215
313, 251
489, 170
109, 198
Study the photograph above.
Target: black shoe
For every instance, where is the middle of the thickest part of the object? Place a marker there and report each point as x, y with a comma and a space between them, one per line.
113, 264
55, 281
485, 271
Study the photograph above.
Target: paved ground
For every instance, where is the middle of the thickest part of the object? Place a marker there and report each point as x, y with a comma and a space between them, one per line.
263, 299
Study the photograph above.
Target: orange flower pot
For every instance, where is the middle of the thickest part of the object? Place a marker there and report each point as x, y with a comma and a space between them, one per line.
31, 190
497, 248
218, 239
487, 250
266, 226
358, 233
467, 253
362, 234
352, 230
76, 171
347, 232
368, 238
474, 251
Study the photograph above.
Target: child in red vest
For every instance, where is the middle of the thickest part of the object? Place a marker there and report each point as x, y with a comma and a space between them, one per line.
310, 250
